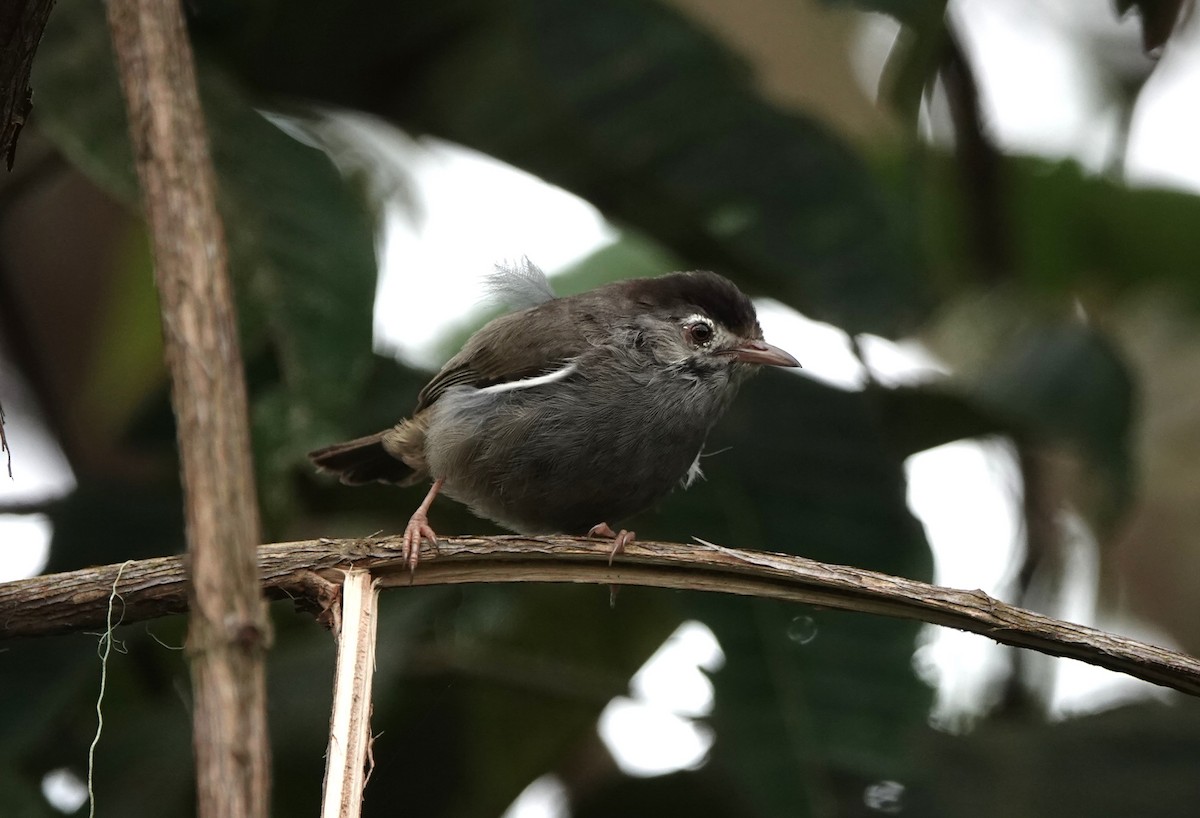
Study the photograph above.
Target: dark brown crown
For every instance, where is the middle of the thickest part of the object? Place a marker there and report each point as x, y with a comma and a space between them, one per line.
712, 294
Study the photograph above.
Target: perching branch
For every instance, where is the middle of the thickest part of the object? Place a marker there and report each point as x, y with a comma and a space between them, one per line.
228, 628
60, 603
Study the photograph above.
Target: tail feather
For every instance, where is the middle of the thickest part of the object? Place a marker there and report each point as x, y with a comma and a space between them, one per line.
364, 460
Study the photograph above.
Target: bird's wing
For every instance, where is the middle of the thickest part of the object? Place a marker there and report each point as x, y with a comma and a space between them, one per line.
514, 347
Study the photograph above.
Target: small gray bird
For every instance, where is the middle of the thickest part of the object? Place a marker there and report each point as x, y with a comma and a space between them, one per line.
573, 412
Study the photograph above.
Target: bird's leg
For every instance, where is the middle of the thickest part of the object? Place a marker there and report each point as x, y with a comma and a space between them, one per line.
620, 538
418, 527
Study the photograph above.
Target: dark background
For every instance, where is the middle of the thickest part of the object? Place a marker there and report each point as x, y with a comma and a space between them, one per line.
726, 137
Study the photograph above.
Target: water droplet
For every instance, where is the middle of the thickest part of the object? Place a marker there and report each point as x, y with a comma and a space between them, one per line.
884, 796
802, 630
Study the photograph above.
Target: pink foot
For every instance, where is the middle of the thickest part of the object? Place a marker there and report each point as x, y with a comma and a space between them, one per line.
416, 530
620, 538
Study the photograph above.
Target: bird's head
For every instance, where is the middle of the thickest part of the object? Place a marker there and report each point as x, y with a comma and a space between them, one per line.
703, 324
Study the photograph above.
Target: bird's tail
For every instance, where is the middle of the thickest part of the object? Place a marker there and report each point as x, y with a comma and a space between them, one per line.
364, 460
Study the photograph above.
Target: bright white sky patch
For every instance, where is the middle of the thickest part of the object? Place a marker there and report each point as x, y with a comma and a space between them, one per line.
900, 363
823, 350
650, 733
544, 798
976, 514
672, 679
870, 49
648, 741
967, 495
1044, 101
64, 790
39, 467
826, 354
1049, 102
475, 212
1164, 142
24, 545
40, 472
1080, 688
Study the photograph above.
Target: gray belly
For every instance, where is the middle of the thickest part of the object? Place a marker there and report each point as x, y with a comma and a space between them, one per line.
558, 462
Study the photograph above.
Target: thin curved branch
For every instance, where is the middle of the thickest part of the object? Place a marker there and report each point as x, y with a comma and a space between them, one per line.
61, 603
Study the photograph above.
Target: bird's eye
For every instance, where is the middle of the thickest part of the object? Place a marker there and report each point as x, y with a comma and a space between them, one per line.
699, 332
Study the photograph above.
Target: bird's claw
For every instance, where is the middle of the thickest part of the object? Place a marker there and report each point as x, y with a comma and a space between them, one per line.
417, 530
620, 539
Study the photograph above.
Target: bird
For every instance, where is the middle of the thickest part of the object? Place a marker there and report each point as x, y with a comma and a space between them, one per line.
570, 414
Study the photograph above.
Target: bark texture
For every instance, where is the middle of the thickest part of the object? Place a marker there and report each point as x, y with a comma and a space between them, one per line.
21, 25
307, 571
228, 629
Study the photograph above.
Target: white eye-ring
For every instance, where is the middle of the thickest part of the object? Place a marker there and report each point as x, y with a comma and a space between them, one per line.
698, 330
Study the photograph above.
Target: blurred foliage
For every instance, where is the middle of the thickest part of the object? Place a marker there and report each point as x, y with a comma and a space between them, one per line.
1132, 760
655, 114
303, 263
645, 115
1159, 18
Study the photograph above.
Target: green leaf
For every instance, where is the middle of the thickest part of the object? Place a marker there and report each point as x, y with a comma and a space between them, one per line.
630, 256
1066, 381
484, 689
811, 706
1133, 760
694, 794
22, 796
916, 418
300, 239
709, 168
1044, 376
145, 753
1073, 234
638, 110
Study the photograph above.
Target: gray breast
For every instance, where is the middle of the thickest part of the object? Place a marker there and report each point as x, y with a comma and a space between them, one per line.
569, 452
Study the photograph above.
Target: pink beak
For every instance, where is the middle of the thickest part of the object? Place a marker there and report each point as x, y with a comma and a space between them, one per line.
760, 352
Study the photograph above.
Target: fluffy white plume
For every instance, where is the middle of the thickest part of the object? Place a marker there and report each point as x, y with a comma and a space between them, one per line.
519, 285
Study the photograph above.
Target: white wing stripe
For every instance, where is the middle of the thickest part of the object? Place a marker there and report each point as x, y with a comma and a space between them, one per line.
549, 377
